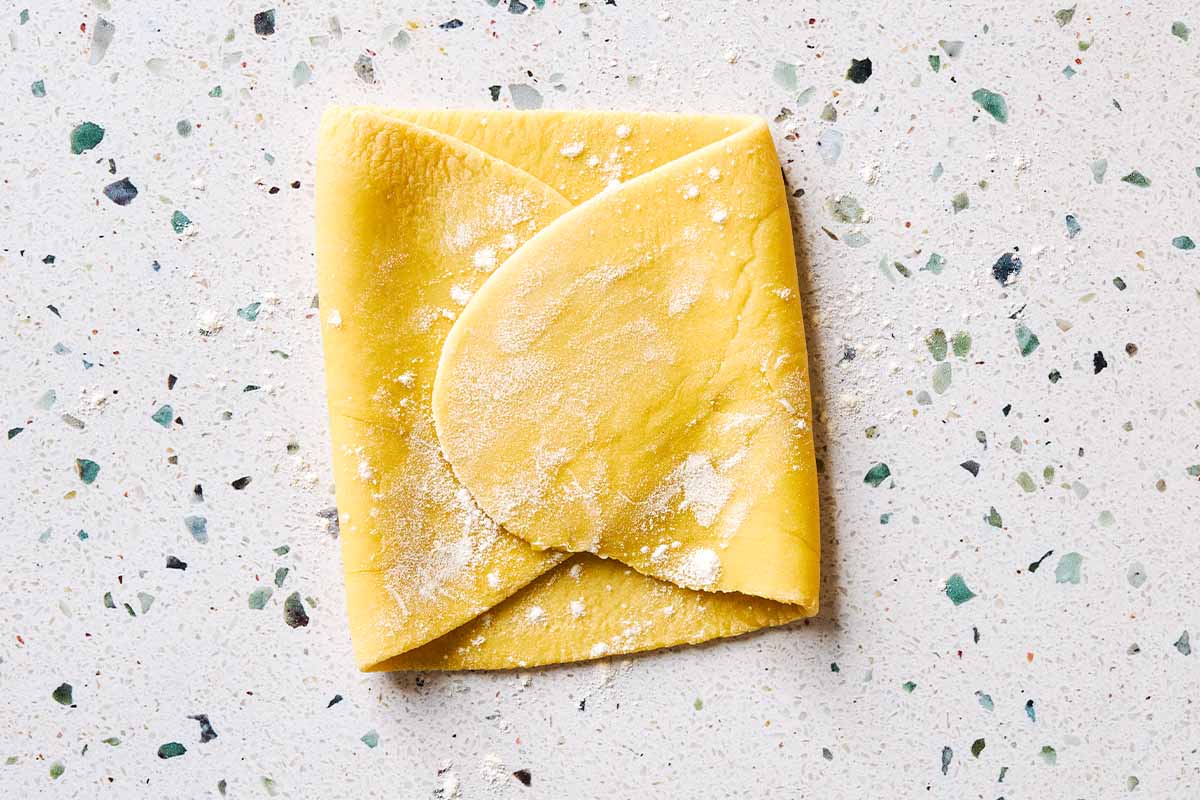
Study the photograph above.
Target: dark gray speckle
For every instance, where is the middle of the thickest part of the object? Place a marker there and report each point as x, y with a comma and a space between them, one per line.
121, 192
1006, 268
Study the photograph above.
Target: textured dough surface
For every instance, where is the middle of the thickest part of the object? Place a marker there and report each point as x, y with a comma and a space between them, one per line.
554, 333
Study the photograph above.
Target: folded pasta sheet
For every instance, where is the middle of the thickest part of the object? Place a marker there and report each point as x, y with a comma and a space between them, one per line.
567, 384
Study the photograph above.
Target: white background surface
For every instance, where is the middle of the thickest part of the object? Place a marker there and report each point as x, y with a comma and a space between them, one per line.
746, 717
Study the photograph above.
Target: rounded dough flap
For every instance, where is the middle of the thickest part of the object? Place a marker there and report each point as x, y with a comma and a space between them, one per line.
632, 382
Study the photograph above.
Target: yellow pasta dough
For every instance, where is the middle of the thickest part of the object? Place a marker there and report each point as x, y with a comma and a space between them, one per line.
567, 384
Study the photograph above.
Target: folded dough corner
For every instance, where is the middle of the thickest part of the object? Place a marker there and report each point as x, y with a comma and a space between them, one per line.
567, 383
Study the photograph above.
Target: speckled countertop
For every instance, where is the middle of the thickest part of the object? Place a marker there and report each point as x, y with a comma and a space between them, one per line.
996, 205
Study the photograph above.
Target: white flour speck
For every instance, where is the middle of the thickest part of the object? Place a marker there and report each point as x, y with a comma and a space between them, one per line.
406, 378
485, 258
577, 609
460, 295
423, 318
714, 174
682, 299
575, 571
700, 567
623, 131
365, 471
690, 191
599, 649
719, 215
536, 614
571, 150
462, 237
334, 319
493, 580
511, 209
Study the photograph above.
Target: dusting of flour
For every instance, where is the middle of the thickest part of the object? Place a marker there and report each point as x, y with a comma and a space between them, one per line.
683, 298
705, 491
700, 567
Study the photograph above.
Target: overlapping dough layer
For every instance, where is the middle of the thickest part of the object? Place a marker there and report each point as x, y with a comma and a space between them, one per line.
557, 333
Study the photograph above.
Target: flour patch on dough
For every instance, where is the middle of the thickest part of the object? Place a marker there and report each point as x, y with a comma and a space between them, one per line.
731, 521
422, 319
733, 460
738, 420
612, 170
704, 491
683, 298
519, 329
699, 567
461, 237
571, 149
605, 274
422, 564
365, 471
505, 210
515, 495
511, 209
484, 259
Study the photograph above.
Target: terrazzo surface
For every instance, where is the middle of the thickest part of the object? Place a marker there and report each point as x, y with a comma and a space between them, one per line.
996, 205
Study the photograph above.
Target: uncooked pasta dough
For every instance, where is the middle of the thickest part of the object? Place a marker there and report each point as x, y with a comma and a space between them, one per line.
567, 384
